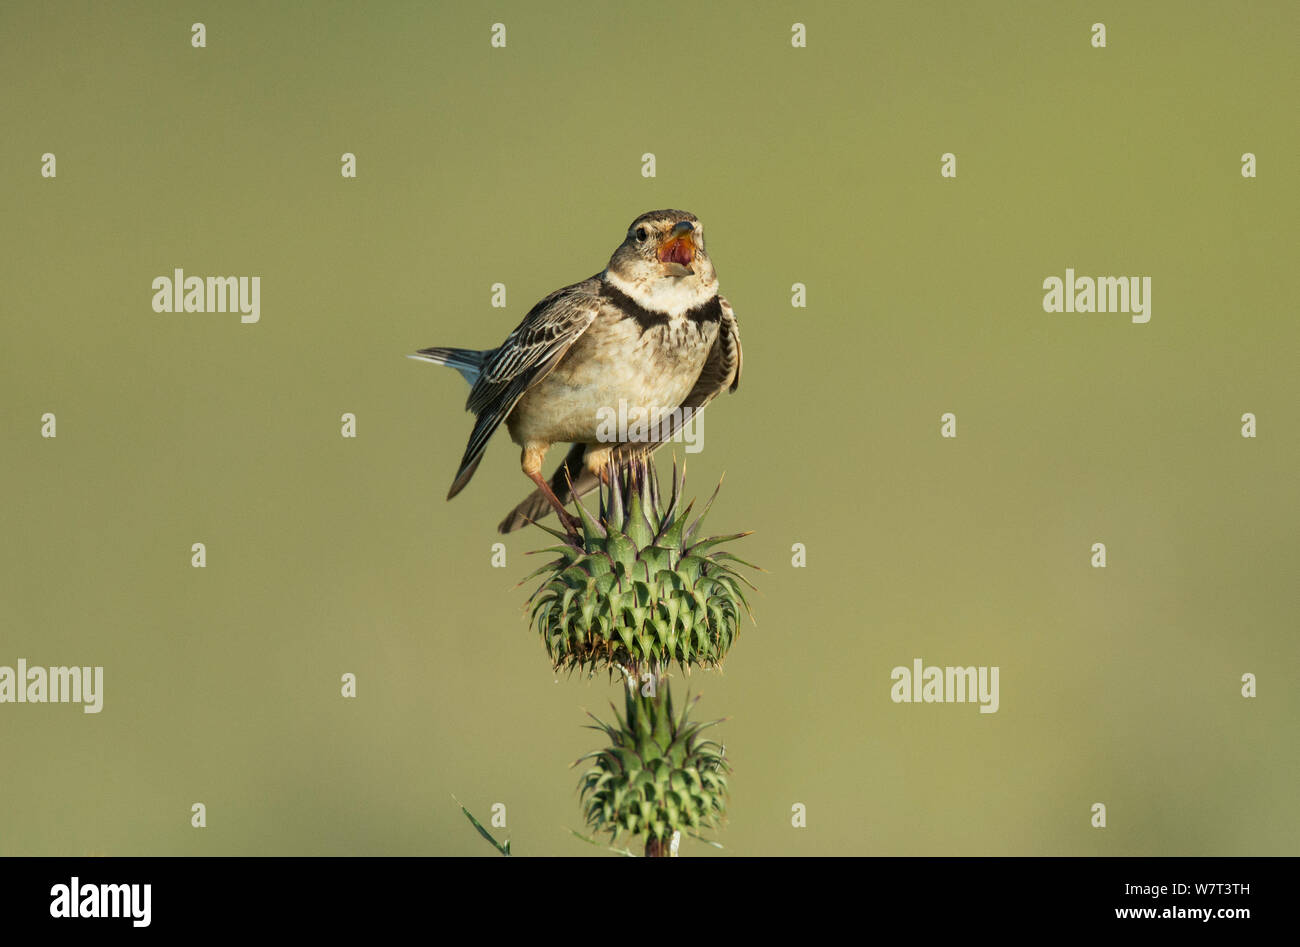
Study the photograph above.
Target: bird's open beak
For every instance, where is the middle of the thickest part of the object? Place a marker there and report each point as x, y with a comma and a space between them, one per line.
680, 245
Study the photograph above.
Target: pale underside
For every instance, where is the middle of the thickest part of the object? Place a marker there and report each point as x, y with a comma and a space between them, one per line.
614, 361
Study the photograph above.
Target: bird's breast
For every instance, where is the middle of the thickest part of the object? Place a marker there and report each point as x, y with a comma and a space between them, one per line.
617, 365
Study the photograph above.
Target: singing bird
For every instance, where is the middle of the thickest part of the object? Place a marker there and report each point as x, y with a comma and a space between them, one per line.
649, 332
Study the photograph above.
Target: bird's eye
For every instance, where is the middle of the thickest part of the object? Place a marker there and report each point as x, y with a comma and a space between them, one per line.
641, 234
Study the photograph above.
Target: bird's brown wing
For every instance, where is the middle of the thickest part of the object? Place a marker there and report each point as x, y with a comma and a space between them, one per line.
721, 371
527, 356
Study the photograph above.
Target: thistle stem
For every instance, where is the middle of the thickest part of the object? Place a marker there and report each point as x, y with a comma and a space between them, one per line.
657, 848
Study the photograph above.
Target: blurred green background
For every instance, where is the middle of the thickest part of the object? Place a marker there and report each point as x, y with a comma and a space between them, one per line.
522, 165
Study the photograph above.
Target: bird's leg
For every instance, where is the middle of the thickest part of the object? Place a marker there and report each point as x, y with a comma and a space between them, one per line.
532, 464
597, 460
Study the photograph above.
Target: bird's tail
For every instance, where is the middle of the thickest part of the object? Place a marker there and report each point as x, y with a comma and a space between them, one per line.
469, 362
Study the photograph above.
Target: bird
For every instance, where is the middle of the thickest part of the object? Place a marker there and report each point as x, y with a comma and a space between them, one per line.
649, 332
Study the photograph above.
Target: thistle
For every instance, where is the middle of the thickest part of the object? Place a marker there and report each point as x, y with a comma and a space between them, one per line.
637, 590
658, 776
632, 591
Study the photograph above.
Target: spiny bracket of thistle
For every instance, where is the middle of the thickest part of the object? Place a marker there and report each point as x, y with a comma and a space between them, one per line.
658, 776
638, 589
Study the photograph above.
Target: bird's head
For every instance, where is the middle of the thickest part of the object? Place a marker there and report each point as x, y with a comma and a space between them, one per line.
662, 263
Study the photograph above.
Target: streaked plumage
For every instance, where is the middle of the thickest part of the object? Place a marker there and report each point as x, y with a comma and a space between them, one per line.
650, 329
